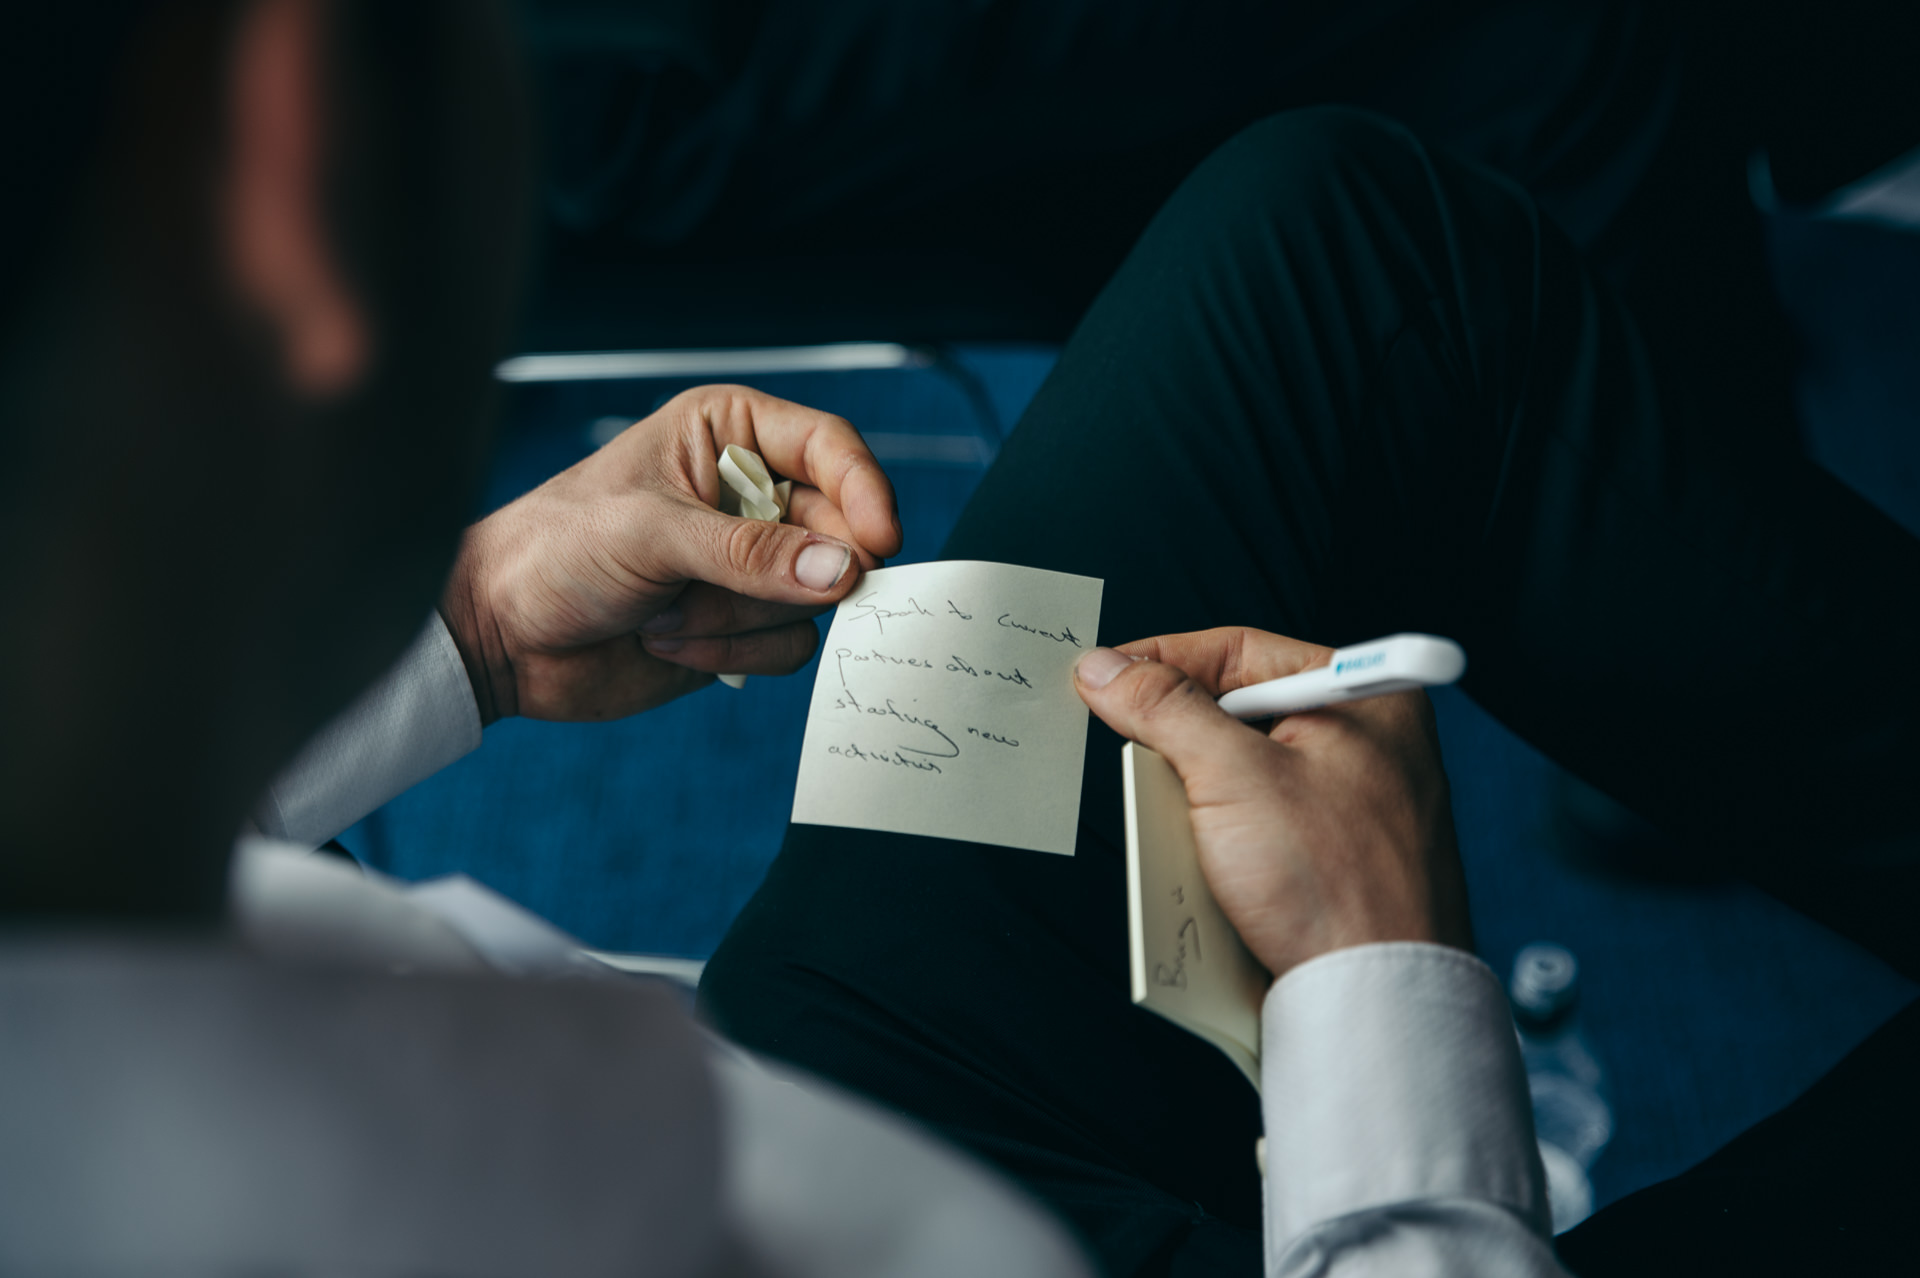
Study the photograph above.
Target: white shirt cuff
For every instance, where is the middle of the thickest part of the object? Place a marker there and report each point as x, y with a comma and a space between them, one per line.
414, 722
1391, 1074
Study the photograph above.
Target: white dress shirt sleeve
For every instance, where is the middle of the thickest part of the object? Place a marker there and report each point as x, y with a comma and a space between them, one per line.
419, 718
1399, 1132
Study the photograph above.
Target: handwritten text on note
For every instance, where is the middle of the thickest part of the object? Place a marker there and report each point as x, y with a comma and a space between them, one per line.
1189, 965
945, 706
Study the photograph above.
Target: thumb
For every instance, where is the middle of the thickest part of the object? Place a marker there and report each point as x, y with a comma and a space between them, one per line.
762, 559
1158, 706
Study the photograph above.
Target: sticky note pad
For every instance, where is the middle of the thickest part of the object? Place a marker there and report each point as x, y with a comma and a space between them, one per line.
1188, 964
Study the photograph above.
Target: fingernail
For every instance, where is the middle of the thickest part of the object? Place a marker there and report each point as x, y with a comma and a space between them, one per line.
1098, 667
821, 565
668, 620
663, 645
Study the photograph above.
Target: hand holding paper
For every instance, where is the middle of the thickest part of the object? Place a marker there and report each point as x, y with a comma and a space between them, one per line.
619, 583
1332, 830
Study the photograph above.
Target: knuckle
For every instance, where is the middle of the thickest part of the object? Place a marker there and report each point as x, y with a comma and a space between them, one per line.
834, 423
752, 547
727, 652
685, 417
778, 651
671, 409
716, 613
1160, 692
797, 645
844, 438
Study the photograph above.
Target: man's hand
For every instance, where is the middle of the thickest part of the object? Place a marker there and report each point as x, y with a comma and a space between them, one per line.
617, 585
1333, 829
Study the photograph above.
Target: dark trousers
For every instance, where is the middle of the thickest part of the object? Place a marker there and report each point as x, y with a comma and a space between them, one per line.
1345, 386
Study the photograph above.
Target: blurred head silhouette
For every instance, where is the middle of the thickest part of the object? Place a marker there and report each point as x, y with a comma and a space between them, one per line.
257, 260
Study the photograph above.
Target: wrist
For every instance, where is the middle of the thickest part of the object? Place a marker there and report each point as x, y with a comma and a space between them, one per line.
489, 670
1299, 942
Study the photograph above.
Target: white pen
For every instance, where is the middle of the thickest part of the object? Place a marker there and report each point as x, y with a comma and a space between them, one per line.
1393, 664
